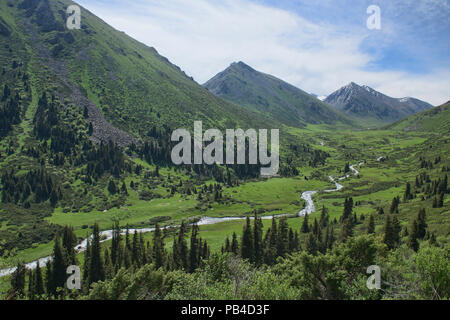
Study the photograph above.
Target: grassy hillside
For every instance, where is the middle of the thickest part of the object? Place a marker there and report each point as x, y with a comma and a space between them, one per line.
433, 120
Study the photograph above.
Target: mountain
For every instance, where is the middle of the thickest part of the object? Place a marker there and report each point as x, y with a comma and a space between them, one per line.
432, 120
127, 87
373, 107
263, 93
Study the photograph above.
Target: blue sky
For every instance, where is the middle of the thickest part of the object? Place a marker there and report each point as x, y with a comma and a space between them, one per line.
317, 45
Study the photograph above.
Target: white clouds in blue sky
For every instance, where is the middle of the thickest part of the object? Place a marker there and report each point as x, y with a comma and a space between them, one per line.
317, 45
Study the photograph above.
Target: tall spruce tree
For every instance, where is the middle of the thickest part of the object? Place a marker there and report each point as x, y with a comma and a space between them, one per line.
257, 240
371, 225
17, 289
158, 248
234, 244
194, 250
247, 241
59, 264
305, 226
96, 268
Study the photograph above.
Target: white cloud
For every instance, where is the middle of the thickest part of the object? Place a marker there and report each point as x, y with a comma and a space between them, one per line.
204, 37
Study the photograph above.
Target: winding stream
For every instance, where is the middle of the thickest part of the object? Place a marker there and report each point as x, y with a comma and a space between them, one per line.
107, 234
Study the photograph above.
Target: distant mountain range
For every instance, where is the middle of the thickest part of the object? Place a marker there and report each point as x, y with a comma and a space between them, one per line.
272, 97
373, 107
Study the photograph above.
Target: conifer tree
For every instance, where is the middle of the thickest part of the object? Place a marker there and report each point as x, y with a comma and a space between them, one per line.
96, 268
38, 281
69, 241
305, 225
49, 284
135, 251
234, 244
87, 260
283, 237
183, 247
347, 229
59, 264
388, 238
194, 250
18, 282
247, 241
227, 245
311, 244
407, 195
108, 265
257, 239
371, 225
413, 242
158, 248
324, 217
396, 229
394, 205
421, 224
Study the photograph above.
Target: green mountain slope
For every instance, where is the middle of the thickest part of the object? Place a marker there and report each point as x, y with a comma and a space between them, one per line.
433, 120
119, 80
270, 96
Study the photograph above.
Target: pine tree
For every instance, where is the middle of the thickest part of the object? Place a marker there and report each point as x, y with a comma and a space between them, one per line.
324, 217
440, 203
38, 281
18, 282
96, 268
87, 260
69, 241
124, 189
112, 187
311, 244
50, 286
388, 233
347, 229
108, 265
371, 225
257, 239
413, 242
194, 250
305, 225
183, 247
234, 244
158, 248
135, 251
247, 241
115, 244
396, 229
227, 245
348, 209
59, 264
283, 237
31, 294
394, 205
407, 195
421, 224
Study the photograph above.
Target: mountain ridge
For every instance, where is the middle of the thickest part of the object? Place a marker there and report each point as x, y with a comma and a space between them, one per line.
366, 104
264, 93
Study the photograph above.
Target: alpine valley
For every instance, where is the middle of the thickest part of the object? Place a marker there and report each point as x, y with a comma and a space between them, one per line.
87, 180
